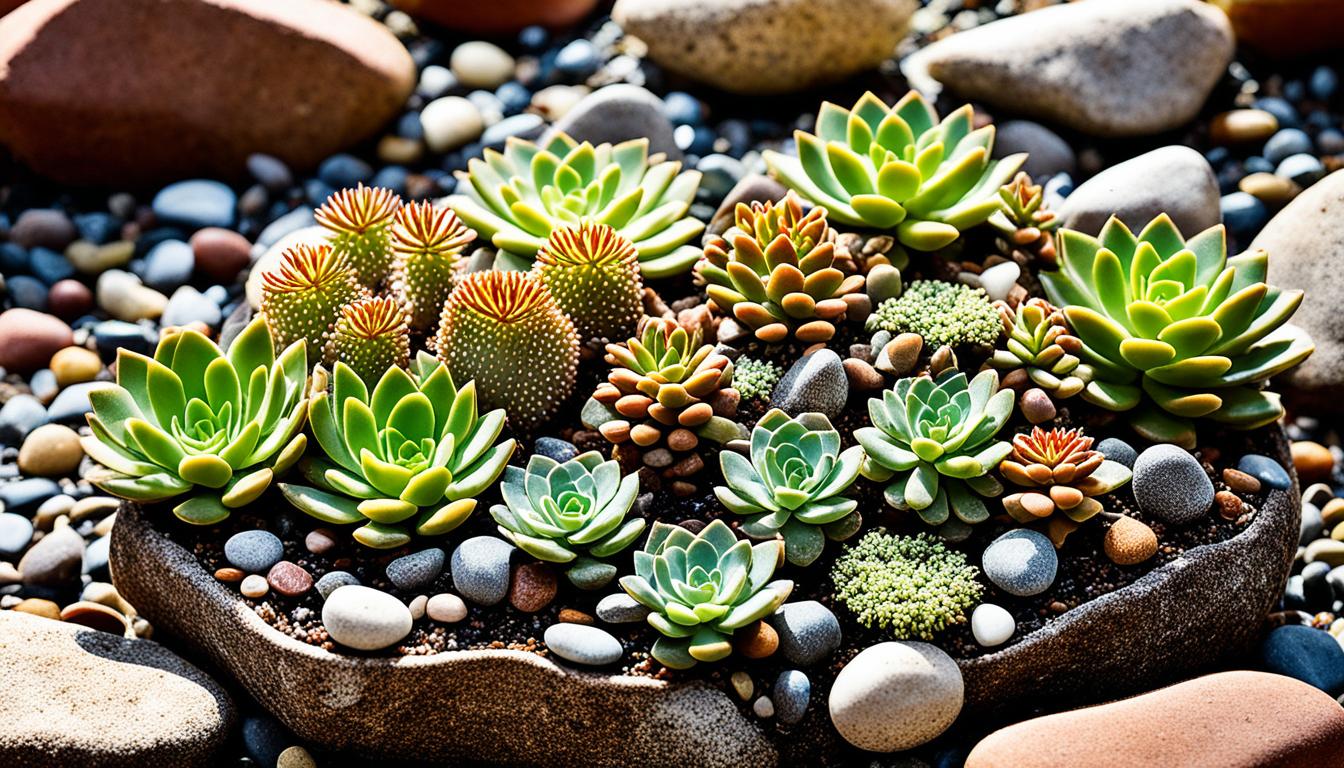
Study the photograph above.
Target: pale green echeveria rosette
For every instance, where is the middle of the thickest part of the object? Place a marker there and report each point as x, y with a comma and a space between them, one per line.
195, 421
518, 197
575, 512
1174, 329
699, 588
408, 458
933, 439
792, 484
898, 168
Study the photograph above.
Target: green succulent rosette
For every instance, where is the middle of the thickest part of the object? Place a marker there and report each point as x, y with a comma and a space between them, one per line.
574, 512
195, 420
518, 197
699, 588
900, 168
409, 457
792, 484
934, 440
1174, 329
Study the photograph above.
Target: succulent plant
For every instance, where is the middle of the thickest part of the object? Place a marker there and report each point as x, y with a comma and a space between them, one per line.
792, 484
1063, 474
358, 220
1179, 322
911, 585
194, 420
505, 331
1023, 221
898, 168
593, 273
942, 313
701, 587
774, 271
573, 512
518, 197
370, 336
408, 457
934, 439
427, 245
756, 379
1039, 346
662, 380
302, 297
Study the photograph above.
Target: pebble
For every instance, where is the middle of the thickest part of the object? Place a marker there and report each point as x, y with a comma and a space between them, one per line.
742, 684
124, 297
365, 619
480, 567
1171, 486
270, 172
1047, 152
69, 299
74, 365
478, 64
1286, 142
188, 306
220, 253
51, 509
167, 265
533, 587
1313, 461
617, 113
254, 585
581, 644
96, 555
1129, 541
37, 606
620, 608
19, 415
320, 541
417, 606
999, 280
792, 692
1189, 193
992, 625
1242, 125
55, 560
1311, 526
1323, 550
43, 227
808, 631
896, 695
289, 579
51, 450
1036, 406
416, 571
15, 533
253, 551
95, 616
555, 448
29, 338
450, 122
21, 496
92, 259
1266, 470
1118, 450
196, 203
1243, 213
1240, 482
295, 757
1303, 169
757, 640
72, 403
334, 580
1021, 562
229, 575
446, 607
1272, 190
1307, 654
814, 383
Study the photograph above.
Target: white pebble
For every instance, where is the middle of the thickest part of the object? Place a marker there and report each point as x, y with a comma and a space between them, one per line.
447, 608
417, 607
364, 618
999, 279
763, 707
254, 586
479, 64
450, 122
991, 625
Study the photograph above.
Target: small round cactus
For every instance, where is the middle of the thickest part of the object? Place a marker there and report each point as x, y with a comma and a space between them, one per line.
302, 297
370, 336
427, 244
593, 272
505, 330
359, 220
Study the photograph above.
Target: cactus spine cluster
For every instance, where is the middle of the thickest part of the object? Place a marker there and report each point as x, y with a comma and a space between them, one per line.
303, 295
370, 336
593, 273
358, 220
427, 244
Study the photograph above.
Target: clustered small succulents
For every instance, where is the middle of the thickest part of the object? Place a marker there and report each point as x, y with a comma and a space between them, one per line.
949, 314
912, 586
1039, 350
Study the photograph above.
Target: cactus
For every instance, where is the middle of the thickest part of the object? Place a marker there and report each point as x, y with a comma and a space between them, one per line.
370, 336
302, 297
427, 244
358, 220
593, 273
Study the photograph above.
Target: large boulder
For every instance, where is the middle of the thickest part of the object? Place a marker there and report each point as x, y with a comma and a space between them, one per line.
1105, 68
76, 696
1305, 242
1174, 180
766, 46
1231, 720
1287, 28
150, 90
497, 17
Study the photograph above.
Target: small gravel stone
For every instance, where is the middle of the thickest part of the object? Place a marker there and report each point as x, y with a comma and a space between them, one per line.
415, 571
480, 568
1021, 562
1313, 461
533, 588
51, 450
478, 64
289, 579
450, 122
1170, 485
417, 606
196, 203
365, 619
1307, 654
74, 365
763, 707
1119, 451
1240, 481
742, 685
295, 757
334, 580
808, 631
320, 541
1311, 526
253, 551
620, 608
229, 575
1266, 470
555, 448
792, 692
581, 644
55, 560
756, 641
446, 607
1036, 405
1322, 550
816, 382
15, 533
254, 586
1229, 504
992, 625
1129, 541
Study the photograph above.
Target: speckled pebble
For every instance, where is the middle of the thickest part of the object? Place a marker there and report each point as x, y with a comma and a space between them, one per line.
896, 695
1170, 485
620, 608
580, 644
792, 692
334, 580
289, 579
808, 631
816, 382
1118, 450
1021, 562
253, 551
480, 569
416, 571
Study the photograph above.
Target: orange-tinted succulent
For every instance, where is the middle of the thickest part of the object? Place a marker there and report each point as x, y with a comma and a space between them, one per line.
1063, 473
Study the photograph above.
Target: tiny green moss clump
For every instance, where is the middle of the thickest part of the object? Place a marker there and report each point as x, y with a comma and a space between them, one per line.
913, 586
943, 313
756, 379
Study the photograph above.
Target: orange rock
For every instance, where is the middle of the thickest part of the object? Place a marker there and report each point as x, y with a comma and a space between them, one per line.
1228, 720
1312, 460
756, 641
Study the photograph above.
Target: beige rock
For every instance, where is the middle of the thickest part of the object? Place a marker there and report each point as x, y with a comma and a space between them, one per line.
73, 365
51, 450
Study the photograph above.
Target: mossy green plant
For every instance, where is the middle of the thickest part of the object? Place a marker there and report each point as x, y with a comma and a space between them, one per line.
942, 313
756, 379
912, 586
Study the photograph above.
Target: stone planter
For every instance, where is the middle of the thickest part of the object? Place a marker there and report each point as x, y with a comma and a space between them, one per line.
512, 707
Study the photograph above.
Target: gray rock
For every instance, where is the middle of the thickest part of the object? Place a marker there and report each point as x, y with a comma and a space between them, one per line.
480, 568
55, 560
1021, 562
196, 203
719, 173
15, 533
365, 619
555, 448
72, 403
1104, 68
1170, 485
1304, 241
1175, 180
617, 113
1312, 525
895, 696
1048, 153
96, 556
792, 692
22, 496
620, 608
580, 644
816, 382
253, 551
19, 416
808, 631
167, 265
334, 580
1118, 450
417, 570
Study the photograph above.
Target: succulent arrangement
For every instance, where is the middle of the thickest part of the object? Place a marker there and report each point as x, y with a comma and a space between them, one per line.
1174, 329
358, 221
302, 297
1039, 350
370, 336
1022, 220
912, 586
593, 273
1064, 474
518, 197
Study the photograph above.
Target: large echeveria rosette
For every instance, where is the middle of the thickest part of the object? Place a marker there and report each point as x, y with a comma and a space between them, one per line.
1174, 329
194, 420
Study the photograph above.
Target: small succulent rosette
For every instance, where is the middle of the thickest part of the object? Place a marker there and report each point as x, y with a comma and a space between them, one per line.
1062, 474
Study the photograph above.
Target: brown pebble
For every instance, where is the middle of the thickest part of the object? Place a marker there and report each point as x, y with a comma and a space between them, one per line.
572, 616
94, 616
1129, 541
756, 641
534, 586
682, 439
68, 299
682, 489
40, 607
220, 253
1242, 125
1037, 406
1313, 461
902, 353
230, 575
862, 376
320, 541
1229, 504
685, 467
1240, 481
289, 579
1333, 512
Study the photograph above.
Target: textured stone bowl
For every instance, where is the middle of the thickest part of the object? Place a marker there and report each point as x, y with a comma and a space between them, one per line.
511, 707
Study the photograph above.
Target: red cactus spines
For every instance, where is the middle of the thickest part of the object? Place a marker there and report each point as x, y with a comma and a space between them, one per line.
359, 220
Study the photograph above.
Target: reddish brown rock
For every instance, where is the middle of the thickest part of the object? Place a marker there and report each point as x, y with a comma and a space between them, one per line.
94, 616
1286, 28
28, 339
497, 16
147, 90
8, 5
220, 253
534, 586
68, 299
289, 579
1229, 720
